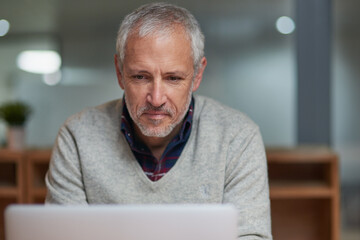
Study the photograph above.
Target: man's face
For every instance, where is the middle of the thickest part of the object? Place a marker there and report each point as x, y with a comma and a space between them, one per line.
158, 80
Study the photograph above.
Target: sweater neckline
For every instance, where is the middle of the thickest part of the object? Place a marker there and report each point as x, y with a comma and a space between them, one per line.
169, 175
174, 170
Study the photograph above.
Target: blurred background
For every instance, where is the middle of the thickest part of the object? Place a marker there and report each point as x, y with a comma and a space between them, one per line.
291, 65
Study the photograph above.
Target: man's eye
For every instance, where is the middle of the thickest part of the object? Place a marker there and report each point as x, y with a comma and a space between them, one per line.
174, 78
138, 77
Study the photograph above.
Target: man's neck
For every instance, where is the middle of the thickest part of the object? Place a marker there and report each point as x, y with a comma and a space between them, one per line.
157, 145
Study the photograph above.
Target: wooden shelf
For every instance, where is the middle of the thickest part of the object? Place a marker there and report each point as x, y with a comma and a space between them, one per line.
301, 154
304, 193
11, 192
7, 184
297, 190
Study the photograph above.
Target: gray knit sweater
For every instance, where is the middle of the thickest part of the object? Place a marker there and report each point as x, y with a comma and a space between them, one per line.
223, 162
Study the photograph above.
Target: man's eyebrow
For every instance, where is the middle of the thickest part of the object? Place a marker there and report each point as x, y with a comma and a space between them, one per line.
132, 71
180, 73
175, 73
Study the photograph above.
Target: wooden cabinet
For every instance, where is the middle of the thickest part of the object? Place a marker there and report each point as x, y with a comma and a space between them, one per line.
22, 176
304, 189
304, 193
11, 181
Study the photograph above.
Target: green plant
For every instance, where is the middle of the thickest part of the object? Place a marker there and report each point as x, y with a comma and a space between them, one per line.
15, 113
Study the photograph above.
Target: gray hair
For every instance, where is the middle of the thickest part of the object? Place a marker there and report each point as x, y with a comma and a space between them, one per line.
160, 18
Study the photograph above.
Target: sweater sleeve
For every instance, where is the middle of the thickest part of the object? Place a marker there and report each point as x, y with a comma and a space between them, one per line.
63, 179
246, 185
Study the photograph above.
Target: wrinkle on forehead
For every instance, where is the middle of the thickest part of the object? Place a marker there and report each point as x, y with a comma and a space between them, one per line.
160, 32
164, 50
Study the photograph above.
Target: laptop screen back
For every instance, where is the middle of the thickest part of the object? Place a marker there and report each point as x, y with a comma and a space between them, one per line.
120, 222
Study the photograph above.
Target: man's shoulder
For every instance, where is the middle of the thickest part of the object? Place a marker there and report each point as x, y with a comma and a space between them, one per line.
219, 115
109, 111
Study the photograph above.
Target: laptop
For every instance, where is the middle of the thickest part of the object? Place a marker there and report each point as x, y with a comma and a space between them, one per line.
121, 222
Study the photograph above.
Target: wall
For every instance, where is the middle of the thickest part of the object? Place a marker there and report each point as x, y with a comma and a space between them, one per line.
251, 67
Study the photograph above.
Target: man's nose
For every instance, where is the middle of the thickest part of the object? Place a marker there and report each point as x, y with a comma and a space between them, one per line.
156, 95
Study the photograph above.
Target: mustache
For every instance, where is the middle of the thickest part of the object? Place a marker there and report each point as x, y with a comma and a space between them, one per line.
163, 109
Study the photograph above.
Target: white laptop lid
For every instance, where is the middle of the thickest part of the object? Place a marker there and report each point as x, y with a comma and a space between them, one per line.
120, 222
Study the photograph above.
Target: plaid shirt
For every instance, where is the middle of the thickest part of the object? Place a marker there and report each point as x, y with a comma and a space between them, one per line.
153, 168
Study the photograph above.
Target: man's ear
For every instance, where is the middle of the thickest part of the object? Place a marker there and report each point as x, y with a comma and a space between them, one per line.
118, 72
199, 74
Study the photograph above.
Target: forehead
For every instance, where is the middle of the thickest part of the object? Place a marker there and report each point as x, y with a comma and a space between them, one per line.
159, 47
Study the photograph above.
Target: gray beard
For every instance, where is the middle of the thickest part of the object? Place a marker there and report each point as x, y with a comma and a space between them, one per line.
165, 131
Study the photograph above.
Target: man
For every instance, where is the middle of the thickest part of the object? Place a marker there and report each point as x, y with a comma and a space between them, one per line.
160, 144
